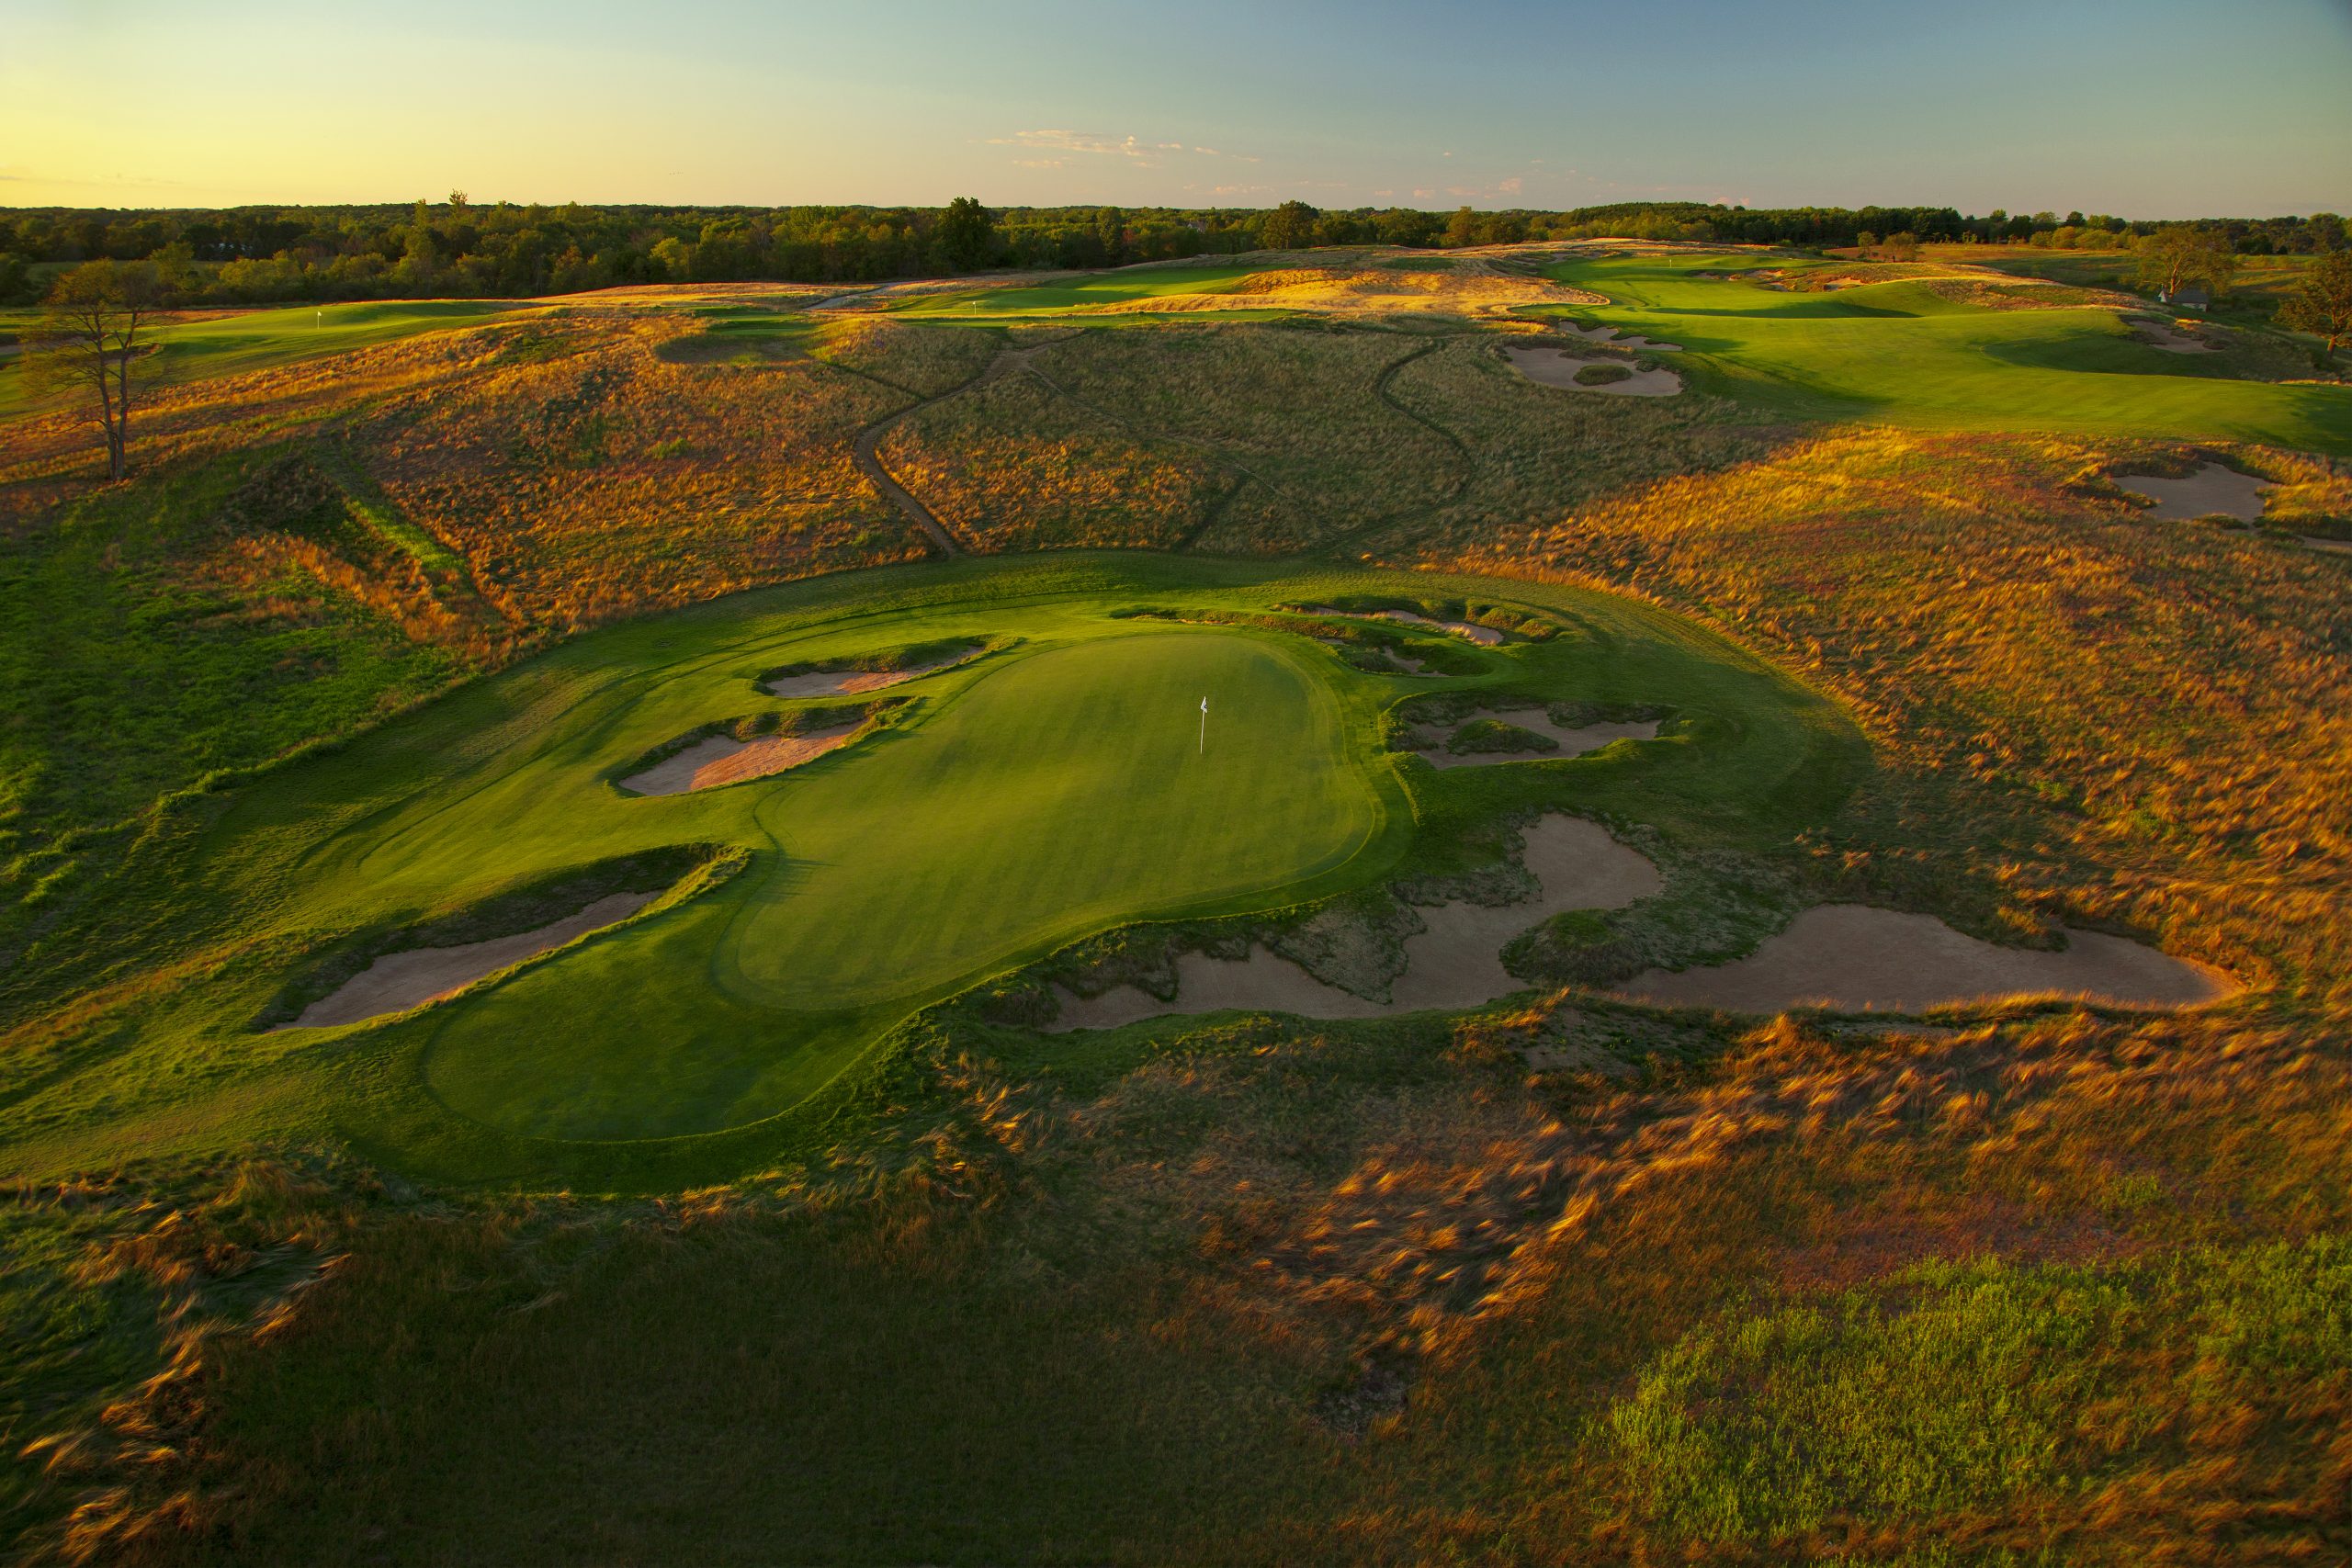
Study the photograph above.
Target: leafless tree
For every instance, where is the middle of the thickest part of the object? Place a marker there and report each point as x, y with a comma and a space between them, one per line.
94, 335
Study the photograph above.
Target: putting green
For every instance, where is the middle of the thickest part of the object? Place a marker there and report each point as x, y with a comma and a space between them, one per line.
1052, 788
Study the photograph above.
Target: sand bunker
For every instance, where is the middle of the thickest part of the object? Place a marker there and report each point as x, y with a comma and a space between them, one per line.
723, 760
1453, 964
2212, 491
1574, 742
846, 682
399, 981
1485, 636
2171, 339
1558, 368
1851, 956
1616, 338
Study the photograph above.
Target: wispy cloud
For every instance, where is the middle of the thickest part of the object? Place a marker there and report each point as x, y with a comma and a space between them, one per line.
1130, 149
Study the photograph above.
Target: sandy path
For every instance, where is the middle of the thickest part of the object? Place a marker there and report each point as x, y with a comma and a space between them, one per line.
723, 760
1573, 742
849, 682
1558, 368
1453, 964
2332, 547
2211, 491
399, 981
1852, 957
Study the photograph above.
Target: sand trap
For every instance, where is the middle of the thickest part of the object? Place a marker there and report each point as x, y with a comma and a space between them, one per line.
1453, 964
1851, 956
1573, 742
1485, 636
1616, 338
845, 682
723, 760
1558, 368
399, 981
2211, 491
2166, 336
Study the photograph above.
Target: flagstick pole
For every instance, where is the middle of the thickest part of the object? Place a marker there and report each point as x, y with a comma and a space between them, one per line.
1205, 727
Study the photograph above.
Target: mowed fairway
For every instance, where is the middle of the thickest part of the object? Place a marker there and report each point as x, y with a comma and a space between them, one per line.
236, 342
1121, 286
1899, 353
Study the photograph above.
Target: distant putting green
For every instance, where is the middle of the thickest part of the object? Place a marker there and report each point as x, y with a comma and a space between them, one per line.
1059, 784
1899, 353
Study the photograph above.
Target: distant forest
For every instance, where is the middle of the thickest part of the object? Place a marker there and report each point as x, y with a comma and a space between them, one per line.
456, 247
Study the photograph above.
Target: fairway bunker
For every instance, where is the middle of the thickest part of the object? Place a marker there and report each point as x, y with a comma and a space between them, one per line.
1455, 961
720, 760
2212, 491
842, 682
1558, 368
1569, 741
1616, 337
1855, 958
399, 981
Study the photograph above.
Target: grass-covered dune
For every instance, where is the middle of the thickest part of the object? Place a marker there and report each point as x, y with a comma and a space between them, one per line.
1060, 783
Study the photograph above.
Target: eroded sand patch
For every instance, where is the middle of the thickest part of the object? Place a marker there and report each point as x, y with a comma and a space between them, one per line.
2211, 491
2166, 336
722, 759
1455, 963
1854, 957
1574, 740
848, 682
1558, 368
399, 981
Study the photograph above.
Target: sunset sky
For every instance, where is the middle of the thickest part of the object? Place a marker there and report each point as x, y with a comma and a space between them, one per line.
2151, 109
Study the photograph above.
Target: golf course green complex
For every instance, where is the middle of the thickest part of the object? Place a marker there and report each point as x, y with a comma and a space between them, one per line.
1050, 776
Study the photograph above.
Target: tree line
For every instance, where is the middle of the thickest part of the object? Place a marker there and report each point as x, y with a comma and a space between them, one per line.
459, 248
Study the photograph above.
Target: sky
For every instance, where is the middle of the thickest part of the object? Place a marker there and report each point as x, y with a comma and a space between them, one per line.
2143, 108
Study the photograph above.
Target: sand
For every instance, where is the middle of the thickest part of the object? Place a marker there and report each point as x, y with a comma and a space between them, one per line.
1485, 636
2166, 336
1453, 964
845, 682
1616, 338
722, 759
2330, 547
1558, 368
2211, 491
1573, 742
1853, 957
399, 981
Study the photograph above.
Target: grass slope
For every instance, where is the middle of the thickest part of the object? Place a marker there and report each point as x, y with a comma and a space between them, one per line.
1899, 352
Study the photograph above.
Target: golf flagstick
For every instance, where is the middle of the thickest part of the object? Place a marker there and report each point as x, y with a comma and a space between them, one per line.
1205, 727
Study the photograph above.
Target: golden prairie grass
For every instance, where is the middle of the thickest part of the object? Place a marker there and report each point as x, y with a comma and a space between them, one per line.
1012, 466
2120, 721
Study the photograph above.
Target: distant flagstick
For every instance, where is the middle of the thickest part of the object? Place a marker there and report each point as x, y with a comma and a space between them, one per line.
1205, 727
